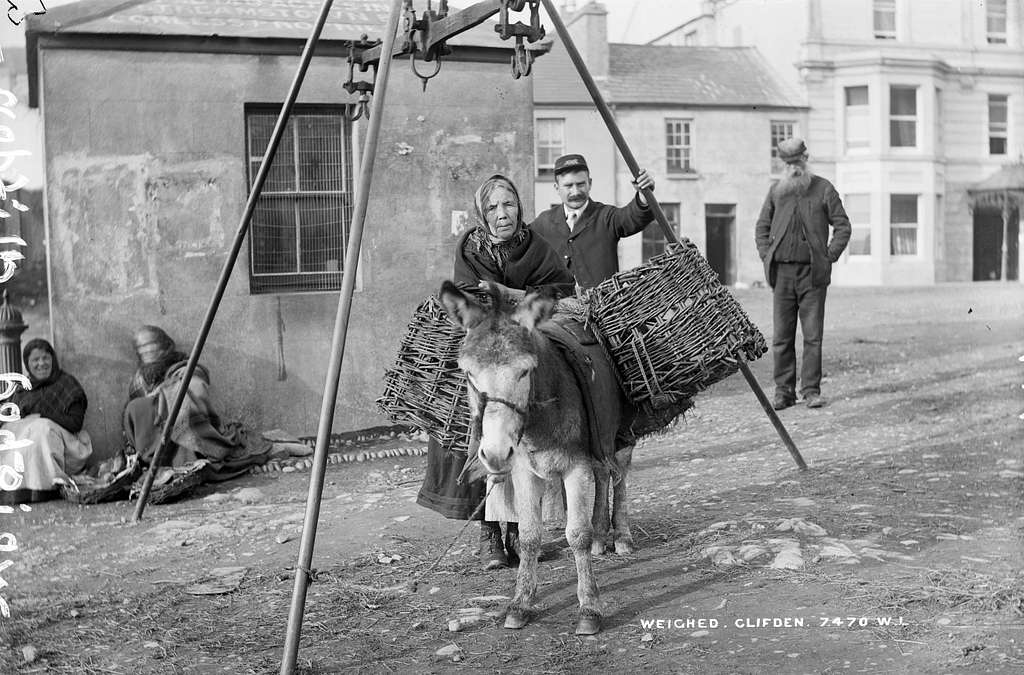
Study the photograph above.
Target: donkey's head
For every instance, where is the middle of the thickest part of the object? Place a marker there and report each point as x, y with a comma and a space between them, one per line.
498, 356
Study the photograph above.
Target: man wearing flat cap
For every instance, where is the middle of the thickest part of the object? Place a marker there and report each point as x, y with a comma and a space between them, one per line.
586, 233
792, 236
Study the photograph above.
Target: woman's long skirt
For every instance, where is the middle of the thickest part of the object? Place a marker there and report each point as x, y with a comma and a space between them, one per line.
54, 454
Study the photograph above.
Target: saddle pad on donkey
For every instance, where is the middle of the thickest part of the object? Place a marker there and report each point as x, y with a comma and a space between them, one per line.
595, 375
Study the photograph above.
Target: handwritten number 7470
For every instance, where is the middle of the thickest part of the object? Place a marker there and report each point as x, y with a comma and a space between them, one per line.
16, 20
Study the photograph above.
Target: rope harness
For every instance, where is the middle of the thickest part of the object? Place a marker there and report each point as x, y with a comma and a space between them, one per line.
483, 398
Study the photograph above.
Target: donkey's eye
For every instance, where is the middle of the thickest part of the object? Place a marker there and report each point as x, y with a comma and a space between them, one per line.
522, 374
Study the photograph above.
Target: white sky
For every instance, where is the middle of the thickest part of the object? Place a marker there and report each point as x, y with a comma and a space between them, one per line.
640, 20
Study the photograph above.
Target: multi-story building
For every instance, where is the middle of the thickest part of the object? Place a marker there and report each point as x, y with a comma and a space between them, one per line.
911, 104
703, 120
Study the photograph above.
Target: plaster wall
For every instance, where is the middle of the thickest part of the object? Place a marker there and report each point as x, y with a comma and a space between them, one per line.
145, 166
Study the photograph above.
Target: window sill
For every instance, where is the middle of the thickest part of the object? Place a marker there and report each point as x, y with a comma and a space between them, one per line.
683, 175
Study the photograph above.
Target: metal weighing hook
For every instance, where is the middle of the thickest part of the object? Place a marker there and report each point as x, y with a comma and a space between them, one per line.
424, 78
365, 89
522, 60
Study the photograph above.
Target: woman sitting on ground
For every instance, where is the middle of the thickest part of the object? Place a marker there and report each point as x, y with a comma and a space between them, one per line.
198, 433
503, 250
52, 413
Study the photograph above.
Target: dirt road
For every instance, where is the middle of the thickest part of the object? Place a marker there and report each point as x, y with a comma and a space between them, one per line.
898, 551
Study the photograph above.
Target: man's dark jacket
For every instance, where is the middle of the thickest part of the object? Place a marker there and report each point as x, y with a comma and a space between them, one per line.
591, 249
819, 206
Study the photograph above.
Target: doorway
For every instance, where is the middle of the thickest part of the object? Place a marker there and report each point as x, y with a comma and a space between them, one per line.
720, 235
988, 245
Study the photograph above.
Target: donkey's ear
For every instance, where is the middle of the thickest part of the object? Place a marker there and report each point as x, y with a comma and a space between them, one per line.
461, 307
535, 308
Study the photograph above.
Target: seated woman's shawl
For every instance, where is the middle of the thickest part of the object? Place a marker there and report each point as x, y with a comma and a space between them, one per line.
51, 443
198, 431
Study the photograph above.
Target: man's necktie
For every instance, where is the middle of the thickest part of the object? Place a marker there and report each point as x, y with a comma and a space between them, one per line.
572, 220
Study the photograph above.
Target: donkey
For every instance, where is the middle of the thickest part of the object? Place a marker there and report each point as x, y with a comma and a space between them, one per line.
530, 417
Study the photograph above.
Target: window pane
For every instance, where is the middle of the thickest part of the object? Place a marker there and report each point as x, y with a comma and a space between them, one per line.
273, 230
860, 241
780, 131
903, 101
299, 226
884, 14
323, 230
995, 21
653, 238
856, 95
281, 177
996, 146
903, 241
677, 146
858, 208
321, 154
550, 142
997, 109
902, 209
903, 134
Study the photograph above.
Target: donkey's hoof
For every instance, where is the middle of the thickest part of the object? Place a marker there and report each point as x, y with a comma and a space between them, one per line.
516, 619
588, 624
597, 547
624, 547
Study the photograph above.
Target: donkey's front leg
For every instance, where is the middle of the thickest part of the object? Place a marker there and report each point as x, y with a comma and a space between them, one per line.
529, 490
579, 497
620, 504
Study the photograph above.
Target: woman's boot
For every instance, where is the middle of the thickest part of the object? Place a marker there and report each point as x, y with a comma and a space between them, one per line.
512, 543
491, 548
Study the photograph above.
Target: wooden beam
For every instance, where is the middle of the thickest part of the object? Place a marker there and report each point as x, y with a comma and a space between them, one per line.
436, 32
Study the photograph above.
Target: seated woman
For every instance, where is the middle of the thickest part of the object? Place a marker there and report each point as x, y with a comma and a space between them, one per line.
198, 432
52, 413
501, 249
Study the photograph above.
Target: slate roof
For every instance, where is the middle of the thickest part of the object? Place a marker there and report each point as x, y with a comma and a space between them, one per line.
274, 19
669, 75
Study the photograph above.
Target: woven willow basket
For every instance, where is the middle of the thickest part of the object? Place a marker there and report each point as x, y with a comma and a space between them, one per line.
93, 492
671, 328
425, 387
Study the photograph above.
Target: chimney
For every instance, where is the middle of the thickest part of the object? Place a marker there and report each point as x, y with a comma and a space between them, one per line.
589, 30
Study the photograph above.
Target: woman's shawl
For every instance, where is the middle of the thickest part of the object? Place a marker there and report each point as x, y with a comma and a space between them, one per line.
62, 400
530, 265
198, 431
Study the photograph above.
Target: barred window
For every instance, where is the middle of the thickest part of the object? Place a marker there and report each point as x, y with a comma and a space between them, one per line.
780, 131
678, 146
300, 225
550, 134
997, 124
654, 238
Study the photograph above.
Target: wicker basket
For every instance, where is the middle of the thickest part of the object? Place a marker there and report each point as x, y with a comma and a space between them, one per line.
171, 482
94, 492
426, 388
672, 329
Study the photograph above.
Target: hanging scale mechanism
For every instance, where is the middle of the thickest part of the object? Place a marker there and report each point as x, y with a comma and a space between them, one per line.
424, 38
362, 87
418, 38
522, 58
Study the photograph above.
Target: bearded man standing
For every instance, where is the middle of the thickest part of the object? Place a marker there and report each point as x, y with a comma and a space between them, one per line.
792, 237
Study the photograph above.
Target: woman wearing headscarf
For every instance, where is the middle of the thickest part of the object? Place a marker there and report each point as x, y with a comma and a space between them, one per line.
198, 432
503, 250
48, 436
